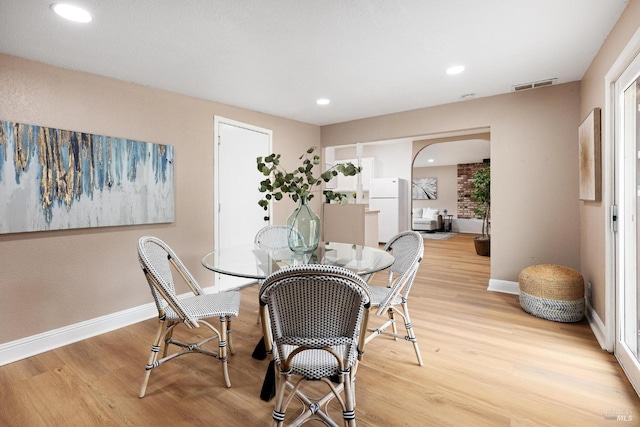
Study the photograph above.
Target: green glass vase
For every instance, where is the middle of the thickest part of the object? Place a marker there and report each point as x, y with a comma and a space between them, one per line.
304, 228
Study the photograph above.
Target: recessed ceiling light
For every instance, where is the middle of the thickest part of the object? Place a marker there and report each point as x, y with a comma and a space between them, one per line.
430, 160
72, 13
323, 101
456, 69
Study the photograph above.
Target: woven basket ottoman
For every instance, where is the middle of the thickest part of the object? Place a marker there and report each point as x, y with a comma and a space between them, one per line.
552, 292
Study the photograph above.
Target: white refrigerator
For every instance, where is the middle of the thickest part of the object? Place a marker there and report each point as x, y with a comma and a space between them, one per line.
389, 196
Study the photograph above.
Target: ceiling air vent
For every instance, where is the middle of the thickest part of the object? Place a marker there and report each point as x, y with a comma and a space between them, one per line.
533, 85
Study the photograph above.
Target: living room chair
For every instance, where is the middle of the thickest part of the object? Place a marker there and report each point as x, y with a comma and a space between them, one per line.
158, 261
426, 219
314, 322
408, 249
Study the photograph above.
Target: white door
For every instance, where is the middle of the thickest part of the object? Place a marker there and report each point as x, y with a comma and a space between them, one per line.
627, 193
237, 216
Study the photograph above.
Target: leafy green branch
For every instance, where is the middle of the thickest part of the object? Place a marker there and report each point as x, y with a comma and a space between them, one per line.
481, 194
301, 181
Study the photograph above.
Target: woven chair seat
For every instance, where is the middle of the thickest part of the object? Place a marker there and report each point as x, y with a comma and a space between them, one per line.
315, 364
208, 305
379, 293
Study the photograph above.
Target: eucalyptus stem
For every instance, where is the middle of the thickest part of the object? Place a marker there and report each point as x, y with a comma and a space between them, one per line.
301, 181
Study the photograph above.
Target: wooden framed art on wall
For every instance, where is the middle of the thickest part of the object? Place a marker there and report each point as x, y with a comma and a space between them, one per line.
590, 182
424, 188
54, 179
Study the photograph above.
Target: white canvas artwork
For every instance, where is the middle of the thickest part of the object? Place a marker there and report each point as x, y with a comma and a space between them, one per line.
52, 179
424, 188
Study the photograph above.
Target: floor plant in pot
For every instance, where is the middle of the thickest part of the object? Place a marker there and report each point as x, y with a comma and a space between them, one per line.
481, 194
299, 185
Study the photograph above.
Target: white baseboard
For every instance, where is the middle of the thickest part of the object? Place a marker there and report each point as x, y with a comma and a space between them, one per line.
598, 328
36, 344
595, 322
466, 225
504, 286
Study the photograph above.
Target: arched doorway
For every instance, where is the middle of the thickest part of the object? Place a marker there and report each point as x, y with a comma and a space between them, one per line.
446, 169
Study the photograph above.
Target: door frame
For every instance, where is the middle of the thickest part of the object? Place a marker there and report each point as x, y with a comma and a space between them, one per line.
217, 121
612, 194
606, 333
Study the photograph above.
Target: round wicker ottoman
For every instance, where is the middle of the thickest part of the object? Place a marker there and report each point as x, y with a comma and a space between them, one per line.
552, 292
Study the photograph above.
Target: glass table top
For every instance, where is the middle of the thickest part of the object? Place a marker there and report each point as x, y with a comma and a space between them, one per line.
253, 262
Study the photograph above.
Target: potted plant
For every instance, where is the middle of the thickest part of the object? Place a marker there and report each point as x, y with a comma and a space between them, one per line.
304, 223
481, 194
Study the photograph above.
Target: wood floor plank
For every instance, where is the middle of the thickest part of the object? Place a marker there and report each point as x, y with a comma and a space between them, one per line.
486, 363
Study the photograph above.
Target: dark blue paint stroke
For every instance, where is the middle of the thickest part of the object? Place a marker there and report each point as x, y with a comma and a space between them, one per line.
138, 153
117, 163
86, 184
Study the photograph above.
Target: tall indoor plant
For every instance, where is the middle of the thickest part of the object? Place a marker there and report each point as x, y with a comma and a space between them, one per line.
481, 194
304, 223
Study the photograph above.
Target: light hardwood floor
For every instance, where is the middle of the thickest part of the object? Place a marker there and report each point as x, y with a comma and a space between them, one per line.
487, 363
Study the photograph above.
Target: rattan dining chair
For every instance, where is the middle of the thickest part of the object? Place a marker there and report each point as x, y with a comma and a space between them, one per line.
157, 261
272, 237
314, 322
408, 249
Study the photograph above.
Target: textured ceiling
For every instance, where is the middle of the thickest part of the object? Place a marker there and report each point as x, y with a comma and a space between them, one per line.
278, 57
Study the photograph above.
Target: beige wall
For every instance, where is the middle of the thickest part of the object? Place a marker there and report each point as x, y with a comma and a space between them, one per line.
534, 164
58, 278
593, 215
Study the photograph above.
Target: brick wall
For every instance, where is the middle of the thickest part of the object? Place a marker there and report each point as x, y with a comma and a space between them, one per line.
465, 187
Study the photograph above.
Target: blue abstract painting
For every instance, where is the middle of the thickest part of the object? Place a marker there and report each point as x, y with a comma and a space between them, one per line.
52, 179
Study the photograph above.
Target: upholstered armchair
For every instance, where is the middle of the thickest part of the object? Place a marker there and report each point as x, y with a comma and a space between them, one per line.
426, 219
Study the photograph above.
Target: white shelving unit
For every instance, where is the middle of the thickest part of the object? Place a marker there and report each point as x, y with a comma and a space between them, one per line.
349, 184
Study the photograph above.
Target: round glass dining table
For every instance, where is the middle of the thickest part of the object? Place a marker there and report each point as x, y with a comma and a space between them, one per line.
254, 262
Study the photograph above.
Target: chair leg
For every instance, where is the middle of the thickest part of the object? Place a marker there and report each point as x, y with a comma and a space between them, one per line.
167, 337
222, 349
410, 334
349, 412
232, 350
164, 334
278, 412
153, 357
393, 322
313, 406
